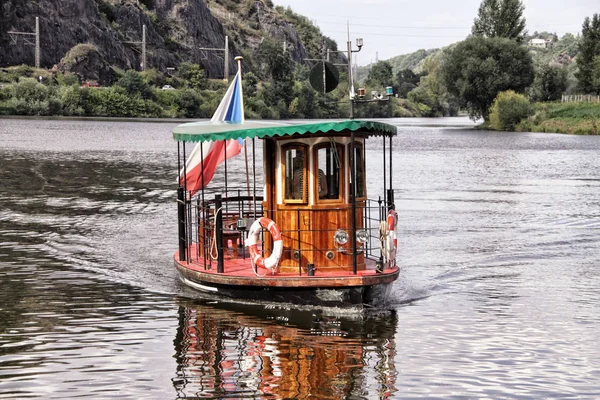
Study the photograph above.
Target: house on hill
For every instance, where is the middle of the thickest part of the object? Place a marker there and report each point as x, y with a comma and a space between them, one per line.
541, 43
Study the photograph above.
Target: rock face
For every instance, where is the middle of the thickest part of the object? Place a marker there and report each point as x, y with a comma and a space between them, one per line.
175, 32
85, 61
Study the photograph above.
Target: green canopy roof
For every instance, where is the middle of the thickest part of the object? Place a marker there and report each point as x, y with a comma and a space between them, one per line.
208, 130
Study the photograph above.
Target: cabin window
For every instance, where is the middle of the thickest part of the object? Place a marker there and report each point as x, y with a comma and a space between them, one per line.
295, 167
329, 166
359, 162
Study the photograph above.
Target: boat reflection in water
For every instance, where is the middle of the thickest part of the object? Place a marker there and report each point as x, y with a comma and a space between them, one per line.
253, 351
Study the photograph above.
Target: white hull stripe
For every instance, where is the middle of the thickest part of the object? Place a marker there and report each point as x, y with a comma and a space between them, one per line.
199, 286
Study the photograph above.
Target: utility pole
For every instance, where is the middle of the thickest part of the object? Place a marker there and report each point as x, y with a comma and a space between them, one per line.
15, 35
143, 47
143, 43
349, 51
37, 42
359, 44
225, 50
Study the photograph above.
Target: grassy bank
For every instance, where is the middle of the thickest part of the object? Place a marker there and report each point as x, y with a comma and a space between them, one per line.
571, 118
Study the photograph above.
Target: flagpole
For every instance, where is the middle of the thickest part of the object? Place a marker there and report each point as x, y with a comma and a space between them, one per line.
239, 62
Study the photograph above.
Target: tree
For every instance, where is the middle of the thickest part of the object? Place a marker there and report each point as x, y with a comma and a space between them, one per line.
406, 80
380, 74
508, 110
134, 84
589, 48
500, 18
276, 66
550, 83
431, 96
194, 76
596, 74
478, 68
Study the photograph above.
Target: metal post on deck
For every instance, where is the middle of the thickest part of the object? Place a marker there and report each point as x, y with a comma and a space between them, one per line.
219, 233
181, 222
391, 165
353, 201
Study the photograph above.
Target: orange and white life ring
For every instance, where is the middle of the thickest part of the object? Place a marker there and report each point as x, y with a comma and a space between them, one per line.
391, 242
252, 243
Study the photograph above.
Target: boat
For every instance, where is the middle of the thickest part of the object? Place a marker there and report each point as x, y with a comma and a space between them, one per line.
296, 225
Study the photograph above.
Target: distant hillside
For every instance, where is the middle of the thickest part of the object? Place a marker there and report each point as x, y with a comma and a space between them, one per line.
560, 52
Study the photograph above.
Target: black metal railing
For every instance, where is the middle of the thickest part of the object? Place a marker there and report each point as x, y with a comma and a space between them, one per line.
211, 224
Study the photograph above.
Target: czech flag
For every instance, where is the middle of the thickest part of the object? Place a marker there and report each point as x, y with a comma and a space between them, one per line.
231, 109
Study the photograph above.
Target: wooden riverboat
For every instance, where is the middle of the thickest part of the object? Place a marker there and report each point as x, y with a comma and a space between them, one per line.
305, 231
302, 230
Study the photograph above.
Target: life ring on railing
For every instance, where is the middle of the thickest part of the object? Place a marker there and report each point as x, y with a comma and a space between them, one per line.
391, 242
252, 241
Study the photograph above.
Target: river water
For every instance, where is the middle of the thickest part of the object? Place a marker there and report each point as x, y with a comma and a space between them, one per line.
497, 298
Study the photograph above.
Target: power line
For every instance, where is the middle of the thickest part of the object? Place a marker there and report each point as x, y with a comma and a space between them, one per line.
395, 26
397, 34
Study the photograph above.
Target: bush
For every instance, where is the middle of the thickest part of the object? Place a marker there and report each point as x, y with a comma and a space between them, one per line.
115, 102
135, 85
72, 100
30, 89
508, 109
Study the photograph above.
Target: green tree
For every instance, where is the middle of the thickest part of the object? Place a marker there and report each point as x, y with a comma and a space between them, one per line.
431, 96
380, 75
194, 76
589, 48
500, 18
134, 84
596, 74
478, 68
550, 83
508, 109
276, 66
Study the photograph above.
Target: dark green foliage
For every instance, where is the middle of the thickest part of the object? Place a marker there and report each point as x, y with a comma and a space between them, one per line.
249, 84
73, 101
380, 75
508, 110
274, 64
30, 89
596, 74
550, 83
477, 69
134, 84
406, 80
567, 44
500, 18
589, 49
276, 67
404, 89
114, 102
194, 76
305, 103
408, 76
107, 9
189, 104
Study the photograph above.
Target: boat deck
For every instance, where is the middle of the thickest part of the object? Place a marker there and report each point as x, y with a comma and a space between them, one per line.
239, 271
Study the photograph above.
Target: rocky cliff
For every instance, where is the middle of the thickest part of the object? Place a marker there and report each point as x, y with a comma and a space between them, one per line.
176, 30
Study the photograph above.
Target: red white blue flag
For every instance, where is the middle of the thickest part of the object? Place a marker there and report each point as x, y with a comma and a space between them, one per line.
231, 109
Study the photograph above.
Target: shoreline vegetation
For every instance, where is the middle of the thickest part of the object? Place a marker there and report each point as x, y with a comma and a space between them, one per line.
570, 118
135, 99
573, 118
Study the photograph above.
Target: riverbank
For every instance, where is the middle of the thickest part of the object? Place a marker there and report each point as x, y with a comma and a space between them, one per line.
570, 118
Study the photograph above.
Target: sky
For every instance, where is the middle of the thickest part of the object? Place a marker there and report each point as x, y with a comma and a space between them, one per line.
394, 27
